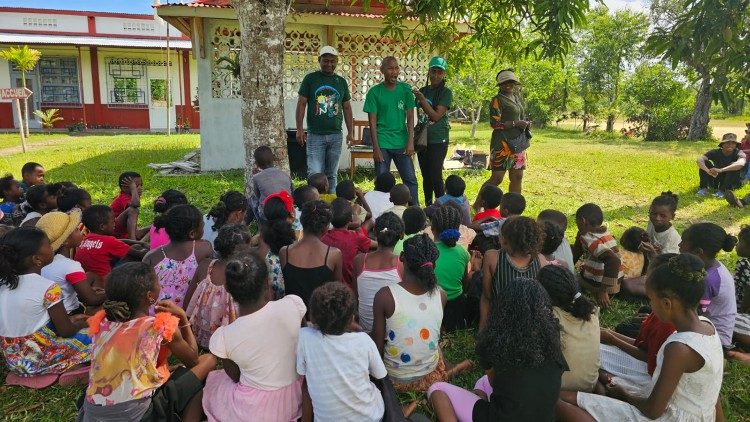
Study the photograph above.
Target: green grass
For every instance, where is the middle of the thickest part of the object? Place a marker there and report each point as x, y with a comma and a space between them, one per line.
566, 169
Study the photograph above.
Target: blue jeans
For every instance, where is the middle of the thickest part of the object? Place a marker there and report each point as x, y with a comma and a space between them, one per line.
405, 167
323, 152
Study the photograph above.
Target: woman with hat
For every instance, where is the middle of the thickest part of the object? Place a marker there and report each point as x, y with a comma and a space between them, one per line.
434, 99
508, 119
720, 168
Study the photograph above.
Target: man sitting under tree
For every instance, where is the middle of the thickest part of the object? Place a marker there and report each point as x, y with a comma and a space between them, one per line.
721, 168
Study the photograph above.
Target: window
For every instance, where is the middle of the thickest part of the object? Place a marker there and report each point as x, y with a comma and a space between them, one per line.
158, 92
59, 81
126, 80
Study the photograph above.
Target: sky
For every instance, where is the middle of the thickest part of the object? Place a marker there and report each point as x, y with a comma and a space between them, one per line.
144, 6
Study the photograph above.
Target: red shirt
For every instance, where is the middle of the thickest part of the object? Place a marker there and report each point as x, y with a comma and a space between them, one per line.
97, 253
119, 205
493, 213
651, 336
350, 243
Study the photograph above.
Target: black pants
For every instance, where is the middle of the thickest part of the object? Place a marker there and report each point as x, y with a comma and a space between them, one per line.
454, 314
431, 165
724, 181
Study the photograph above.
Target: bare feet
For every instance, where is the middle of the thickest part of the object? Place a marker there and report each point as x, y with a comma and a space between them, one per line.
409, 408
452, 370
739, 356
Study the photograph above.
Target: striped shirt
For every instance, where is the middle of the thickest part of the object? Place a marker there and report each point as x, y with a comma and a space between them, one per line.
596, 245
506, 272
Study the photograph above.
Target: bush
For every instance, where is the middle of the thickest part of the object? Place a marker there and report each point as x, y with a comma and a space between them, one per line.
545, 89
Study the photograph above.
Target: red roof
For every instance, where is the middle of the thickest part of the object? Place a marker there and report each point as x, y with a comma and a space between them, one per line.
343, 7
222, 4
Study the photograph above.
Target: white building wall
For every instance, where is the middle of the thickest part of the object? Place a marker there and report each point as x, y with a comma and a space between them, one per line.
141, 27
43, 22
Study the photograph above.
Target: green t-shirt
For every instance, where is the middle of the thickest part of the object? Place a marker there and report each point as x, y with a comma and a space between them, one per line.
437, 133
400, 244
450, 269
504, 109
390, 105
325, 97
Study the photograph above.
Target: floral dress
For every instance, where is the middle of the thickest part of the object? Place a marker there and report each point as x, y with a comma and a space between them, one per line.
503, 109
211, 307
275, 275
175, 276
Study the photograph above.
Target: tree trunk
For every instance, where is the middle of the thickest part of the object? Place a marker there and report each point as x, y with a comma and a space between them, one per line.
699, 119
610, 123
262, 26
475, 116
25, 122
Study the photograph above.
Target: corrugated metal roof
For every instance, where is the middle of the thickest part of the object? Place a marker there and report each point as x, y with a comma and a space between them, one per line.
95, 41
220, 4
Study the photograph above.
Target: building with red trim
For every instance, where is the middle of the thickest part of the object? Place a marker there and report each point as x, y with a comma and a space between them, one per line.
102, 70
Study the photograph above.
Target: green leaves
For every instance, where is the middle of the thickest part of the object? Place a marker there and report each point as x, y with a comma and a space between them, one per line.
24, 58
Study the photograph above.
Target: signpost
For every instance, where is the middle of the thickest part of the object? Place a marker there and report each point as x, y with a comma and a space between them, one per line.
17, 94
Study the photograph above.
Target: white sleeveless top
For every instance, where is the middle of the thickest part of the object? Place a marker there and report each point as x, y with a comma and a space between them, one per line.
412, 334
368, 284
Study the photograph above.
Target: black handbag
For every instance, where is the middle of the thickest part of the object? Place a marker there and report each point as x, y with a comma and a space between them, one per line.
420, 136
519, 143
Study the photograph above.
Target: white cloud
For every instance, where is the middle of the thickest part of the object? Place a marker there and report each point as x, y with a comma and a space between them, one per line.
635, 5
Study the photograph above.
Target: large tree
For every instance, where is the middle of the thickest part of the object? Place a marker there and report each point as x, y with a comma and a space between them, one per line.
473, 82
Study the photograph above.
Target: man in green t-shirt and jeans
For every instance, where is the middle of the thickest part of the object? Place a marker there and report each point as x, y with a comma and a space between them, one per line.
390, 109
326, 97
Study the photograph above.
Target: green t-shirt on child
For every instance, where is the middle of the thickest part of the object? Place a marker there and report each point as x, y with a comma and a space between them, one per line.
390, 105
450, 268
400, 244
438, 132
325, 97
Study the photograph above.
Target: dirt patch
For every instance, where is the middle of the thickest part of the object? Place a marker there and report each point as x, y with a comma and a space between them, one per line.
31, 146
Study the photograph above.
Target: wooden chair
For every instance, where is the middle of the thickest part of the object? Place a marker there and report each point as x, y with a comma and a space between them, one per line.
356, 149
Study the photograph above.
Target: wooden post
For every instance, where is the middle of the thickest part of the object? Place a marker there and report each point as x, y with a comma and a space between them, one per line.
20, 120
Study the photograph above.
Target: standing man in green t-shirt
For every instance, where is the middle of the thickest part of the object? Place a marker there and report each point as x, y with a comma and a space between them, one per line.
327, 99
390, 109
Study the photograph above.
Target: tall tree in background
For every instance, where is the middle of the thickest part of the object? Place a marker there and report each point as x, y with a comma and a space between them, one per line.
710, 37
473, 83
25, 60
609, 44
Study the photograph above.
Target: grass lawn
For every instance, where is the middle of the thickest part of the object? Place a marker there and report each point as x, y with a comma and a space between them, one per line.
566, 169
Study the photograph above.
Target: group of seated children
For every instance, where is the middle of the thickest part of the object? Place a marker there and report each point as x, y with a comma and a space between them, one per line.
340, 300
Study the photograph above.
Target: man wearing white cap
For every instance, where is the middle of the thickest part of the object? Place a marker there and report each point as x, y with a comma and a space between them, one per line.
326, 96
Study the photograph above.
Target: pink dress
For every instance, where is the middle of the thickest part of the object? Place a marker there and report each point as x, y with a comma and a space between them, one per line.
211, 307
157, 237
175, 276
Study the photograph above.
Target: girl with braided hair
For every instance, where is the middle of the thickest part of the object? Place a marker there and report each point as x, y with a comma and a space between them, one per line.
231, 209
157, 237
579, 327
689, 365
130, 378
407, 319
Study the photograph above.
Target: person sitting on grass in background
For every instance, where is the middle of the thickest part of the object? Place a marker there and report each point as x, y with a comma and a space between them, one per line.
511, 204
275, 233
719, 302
267, 179
563, 253
32, 174
175, 263
454, 192
302, 195
489, 200
338, 361
349, 242
232, 208
100, 249
519, 257
688, 376
374, 270
127, 204
721, 168
320, 182
742, 290
208, 303
407, 319
579, 327
40, 338
400, 197
259, 380
379, 199
519, 349
168, 199
415, 222
70, 198
662, 234
553, 237
77, 285
38, 202
634, 261
602, 268
361, 214
11, 193
309, 263
130, 377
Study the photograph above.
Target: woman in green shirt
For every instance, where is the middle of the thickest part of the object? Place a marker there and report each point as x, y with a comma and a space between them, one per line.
434, 100
508, 119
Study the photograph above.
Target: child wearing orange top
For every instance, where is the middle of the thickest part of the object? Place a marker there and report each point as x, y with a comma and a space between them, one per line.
130, 378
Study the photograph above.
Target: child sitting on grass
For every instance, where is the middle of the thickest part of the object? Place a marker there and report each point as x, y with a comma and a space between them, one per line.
579, 327
259, 381
32, 174
175, 263
168, 199
126, 205
37, 335
77, 286
320, 182
70, 198
400, 197
11, 193
563, 253
602, 268
662, 234
361, 215
379, 199
38, 202
130, 376
415, 222
267, 179
454, 193
302, 195
275, 233
232, 208
553, 237
690, 364
634, 261
489, 229
337, 361
490, 198
742, 290
349, 242
208, 303
100, 250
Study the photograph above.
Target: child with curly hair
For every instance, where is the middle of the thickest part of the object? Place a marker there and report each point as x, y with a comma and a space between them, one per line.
11, 194
168, 199
130, 378
259, 381
553, 237
337, 361
231, 209
520, 350
276, 232
127, 204
689, 367
349, 242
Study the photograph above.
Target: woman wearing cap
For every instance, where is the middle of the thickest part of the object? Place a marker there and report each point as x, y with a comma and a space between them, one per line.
720, 168
508, 119
434, 99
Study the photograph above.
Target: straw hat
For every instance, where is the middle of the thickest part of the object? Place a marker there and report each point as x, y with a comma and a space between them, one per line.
729, 137
58, 226
505, 76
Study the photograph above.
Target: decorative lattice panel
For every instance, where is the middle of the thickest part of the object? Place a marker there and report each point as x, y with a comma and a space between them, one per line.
360, 57
301, 58
225, 47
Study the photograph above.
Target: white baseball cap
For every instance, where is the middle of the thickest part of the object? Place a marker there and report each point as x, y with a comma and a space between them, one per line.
328, 50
